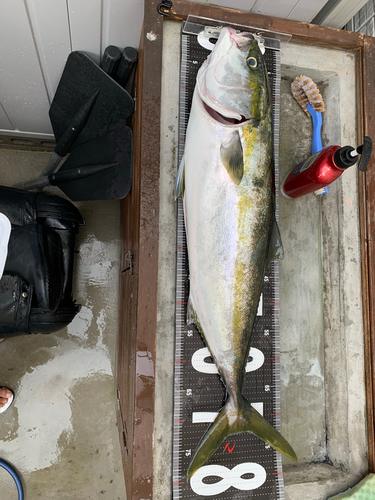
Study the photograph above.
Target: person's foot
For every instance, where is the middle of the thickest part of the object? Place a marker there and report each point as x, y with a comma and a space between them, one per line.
5, 394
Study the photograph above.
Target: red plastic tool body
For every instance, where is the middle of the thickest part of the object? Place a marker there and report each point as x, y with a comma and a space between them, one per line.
312, 174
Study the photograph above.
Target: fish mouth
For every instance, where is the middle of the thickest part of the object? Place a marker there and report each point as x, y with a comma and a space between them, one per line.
206, 96
224, 119
226, 114
239, 37
214, 107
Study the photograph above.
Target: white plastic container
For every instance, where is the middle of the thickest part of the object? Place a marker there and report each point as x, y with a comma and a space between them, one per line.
5, 229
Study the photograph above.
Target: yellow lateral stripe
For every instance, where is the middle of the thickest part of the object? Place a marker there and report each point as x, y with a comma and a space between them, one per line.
244, 205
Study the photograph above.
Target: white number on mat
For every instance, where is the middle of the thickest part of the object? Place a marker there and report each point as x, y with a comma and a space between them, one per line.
202, 417
198, 360
228, 478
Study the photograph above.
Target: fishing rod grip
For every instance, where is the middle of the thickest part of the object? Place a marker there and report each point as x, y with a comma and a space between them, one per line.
75, 127
51, 164
66, 141
77, 173
110, 59
33, 184
128, 59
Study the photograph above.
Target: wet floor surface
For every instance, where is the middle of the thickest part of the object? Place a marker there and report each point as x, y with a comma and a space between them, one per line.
61, 433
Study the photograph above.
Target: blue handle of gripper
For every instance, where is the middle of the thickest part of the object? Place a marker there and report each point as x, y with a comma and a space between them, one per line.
317, 137
317, 126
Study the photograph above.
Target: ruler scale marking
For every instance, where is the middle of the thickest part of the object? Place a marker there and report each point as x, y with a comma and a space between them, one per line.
263, 385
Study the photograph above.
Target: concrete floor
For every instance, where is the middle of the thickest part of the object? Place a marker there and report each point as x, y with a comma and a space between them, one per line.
61, 433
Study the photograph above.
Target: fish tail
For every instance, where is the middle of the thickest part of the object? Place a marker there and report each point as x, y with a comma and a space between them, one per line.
234, 419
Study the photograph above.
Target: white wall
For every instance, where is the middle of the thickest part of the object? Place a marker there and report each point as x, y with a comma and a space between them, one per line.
38, 35
36, 39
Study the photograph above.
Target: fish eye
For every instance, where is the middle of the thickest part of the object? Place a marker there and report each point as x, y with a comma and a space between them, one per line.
252, 62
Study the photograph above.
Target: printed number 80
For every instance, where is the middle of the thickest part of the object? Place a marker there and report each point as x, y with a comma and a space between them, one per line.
228, 478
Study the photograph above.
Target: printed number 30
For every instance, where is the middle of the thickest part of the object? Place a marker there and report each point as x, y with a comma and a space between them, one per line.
228, 478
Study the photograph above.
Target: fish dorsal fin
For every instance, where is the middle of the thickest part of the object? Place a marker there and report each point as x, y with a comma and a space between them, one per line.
275, 246
180, 180
232, 158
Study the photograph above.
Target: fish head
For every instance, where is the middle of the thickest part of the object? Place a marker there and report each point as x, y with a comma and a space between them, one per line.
233, 79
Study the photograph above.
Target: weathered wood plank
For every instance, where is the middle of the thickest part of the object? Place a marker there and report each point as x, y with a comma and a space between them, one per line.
138, 285
367, 186
128, 302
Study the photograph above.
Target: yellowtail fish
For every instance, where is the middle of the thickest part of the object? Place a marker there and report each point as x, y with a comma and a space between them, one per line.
226, 178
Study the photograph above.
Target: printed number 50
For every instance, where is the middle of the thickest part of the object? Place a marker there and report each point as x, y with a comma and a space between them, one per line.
228, 478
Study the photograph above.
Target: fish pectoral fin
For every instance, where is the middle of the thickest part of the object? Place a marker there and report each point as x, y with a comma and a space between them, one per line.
180, 180
232, 158
275, 246
234, 420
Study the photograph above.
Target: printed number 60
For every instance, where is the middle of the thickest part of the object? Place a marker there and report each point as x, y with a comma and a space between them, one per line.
199, 363
228, 478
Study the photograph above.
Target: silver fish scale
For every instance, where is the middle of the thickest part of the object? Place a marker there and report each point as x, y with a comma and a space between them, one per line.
244, 466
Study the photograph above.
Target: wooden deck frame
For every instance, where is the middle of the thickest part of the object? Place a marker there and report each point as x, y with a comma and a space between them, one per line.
140, 228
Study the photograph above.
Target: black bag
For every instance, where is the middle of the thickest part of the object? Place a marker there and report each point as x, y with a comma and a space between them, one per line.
36, 287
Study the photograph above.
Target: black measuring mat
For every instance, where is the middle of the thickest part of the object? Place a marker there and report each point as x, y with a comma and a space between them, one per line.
244, 466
